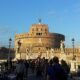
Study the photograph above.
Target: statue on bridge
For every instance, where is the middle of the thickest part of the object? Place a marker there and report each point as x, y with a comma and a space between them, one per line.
62, 46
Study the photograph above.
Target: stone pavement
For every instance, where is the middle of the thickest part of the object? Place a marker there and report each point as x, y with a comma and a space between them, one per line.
32, 76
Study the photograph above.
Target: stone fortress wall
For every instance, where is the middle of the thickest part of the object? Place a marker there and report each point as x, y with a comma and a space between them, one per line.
39, 37
39, 41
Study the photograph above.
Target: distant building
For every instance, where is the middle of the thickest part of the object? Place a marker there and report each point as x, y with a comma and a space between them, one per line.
38, 40
4, 53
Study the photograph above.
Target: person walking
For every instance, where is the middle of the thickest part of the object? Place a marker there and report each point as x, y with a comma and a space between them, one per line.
20, 70
55, 71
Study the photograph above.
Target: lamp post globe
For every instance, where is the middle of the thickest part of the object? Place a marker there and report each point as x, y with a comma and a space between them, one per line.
73, 40
10, 39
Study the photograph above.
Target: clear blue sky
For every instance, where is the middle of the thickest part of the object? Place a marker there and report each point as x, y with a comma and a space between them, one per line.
62, 16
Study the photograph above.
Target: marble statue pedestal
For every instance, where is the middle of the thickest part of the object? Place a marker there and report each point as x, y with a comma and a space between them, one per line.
63, 56
73, 65
17, 55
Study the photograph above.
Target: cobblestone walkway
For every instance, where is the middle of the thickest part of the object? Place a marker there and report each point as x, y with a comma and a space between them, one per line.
32, 76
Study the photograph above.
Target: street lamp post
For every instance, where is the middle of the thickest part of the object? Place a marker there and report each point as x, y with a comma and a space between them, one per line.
9, 54
73, 48
19, 46
9, 48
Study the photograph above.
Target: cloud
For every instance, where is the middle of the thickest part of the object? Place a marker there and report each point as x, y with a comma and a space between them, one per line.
76, 8
6, 30
51, 13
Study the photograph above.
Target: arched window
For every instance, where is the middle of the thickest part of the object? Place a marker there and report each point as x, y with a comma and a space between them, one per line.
45, 29
38, 34
36, 29
32, 29
41, 29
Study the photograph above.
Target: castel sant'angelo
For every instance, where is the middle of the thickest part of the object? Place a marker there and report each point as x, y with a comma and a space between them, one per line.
39, 42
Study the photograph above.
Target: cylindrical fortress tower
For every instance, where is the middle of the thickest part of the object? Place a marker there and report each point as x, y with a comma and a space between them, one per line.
38, 39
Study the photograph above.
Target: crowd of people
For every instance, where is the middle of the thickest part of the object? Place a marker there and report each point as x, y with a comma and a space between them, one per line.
44, 69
